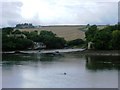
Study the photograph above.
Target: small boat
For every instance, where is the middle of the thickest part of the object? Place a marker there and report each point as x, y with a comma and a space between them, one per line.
65, 73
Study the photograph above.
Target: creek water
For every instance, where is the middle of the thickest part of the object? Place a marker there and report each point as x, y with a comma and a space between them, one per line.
47, 71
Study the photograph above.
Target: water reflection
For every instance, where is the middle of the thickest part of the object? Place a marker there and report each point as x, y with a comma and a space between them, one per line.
27, 59
102, 62
46, 71
92, 62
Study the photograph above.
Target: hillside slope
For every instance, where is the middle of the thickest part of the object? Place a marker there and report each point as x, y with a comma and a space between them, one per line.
68, 32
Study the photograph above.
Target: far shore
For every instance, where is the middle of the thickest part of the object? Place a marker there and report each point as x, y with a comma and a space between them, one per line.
80, 51
101, 52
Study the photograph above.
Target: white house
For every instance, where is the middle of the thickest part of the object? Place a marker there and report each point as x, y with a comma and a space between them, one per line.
39, 45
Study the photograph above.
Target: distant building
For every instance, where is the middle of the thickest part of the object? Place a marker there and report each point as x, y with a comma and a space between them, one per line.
90, 45
39, 45
37, 26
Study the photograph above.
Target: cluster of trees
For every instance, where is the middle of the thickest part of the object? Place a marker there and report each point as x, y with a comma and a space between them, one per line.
14, 40
104, 39
25, 25
76, 43
47, 37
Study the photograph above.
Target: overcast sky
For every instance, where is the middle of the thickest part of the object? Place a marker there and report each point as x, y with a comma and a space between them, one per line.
55, 12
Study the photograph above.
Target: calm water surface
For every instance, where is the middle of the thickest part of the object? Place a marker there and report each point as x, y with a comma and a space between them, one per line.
46, 71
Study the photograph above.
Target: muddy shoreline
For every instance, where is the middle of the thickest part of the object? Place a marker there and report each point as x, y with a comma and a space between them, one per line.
101, 52
84, 52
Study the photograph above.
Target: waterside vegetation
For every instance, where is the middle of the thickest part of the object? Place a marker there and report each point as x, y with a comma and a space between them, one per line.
107, 38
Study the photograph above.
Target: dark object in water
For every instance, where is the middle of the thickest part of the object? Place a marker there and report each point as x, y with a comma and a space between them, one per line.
17, 51
56, 53
65, 73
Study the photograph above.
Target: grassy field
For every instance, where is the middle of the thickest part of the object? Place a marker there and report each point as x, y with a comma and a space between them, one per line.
68, 32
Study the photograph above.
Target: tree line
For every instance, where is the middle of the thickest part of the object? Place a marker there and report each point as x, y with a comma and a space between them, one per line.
14, 39
107, 38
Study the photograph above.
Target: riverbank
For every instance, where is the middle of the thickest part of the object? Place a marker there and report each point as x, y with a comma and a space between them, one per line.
44, 51
80, 51
101, 52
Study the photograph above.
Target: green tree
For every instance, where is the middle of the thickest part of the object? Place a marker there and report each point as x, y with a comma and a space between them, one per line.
16, 32
13, 43
90, 33
76, 42
50, 40
116, 39
102, 40
7, 30
22, 43
7, 43
33, 36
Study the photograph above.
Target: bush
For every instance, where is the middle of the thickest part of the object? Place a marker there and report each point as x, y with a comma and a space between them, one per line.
104, 39
76, 42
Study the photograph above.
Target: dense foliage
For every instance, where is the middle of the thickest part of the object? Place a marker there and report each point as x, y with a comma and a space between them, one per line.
51, 40
104, 39
12, 42
16, 40
25, 25
76, 42
48, 38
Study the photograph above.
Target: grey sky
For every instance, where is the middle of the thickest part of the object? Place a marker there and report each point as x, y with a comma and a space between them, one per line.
52, 12
119, 11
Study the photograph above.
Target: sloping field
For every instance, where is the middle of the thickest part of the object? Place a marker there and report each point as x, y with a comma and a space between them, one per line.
68, 32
